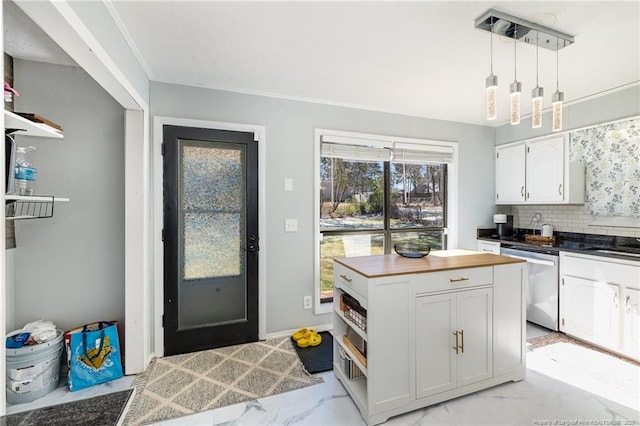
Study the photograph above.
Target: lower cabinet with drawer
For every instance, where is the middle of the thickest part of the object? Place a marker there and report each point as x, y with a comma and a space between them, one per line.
428, 337
600, 301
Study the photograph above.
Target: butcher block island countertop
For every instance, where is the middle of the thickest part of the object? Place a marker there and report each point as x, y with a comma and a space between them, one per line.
442, 260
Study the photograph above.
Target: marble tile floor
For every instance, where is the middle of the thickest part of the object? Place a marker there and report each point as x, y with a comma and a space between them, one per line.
540, 399
537, 400
534, 330
61, 394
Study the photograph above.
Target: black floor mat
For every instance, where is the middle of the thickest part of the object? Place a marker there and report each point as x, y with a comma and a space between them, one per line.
99, 410
317, 358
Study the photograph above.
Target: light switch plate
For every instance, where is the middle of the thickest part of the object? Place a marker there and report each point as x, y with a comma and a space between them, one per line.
291, 225
288, 184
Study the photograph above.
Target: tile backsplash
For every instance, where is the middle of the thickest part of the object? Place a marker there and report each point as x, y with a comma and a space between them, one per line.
564, 218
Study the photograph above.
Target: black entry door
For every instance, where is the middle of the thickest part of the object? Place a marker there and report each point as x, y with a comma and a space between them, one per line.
210, 238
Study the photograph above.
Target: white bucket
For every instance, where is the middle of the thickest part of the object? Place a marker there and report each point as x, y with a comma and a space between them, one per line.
33, 371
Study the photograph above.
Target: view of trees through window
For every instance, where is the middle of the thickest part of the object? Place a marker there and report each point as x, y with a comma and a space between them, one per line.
367, 206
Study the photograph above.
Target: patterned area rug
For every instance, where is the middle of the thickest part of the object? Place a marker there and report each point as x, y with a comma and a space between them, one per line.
180, 385
99, 410
557, 337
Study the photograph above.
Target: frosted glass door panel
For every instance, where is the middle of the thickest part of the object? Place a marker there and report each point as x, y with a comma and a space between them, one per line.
212, 288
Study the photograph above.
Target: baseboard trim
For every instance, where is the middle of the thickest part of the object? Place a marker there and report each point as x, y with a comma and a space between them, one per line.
287, 333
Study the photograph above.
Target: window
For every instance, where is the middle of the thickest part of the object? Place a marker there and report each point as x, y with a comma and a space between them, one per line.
375, 193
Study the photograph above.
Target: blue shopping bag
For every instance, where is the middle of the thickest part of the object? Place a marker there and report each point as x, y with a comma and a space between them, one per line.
93, 354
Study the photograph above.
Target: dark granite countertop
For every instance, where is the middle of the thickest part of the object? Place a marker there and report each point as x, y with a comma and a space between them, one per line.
627, 248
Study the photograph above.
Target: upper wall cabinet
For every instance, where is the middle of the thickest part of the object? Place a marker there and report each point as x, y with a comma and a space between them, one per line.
510, 174
538, 172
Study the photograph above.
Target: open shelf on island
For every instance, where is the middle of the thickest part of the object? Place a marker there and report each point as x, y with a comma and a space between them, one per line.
19, 207
24, 126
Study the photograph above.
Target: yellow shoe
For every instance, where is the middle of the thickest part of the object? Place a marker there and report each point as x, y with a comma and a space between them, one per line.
312, 339
300, 334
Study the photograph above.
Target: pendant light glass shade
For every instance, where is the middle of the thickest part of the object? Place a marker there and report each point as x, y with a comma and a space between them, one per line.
492, 95
536, 106
556, 118
515, 91
557, 100
492, 88
536, 96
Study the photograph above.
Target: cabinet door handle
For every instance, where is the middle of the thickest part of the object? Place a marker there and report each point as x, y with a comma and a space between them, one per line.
522, 191
346, 278
455, 280
627, 304
462, 338
455, 333
560, 189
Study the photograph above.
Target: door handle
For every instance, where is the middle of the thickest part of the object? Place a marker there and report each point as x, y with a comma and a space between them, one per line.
455, 280
522, 191
560, 189
346, 278
252, 244
627, 304
462, 338
455, 333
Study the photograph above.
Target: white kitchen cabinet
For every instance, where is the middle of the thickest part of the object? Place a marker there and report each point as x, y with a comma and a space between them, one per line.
600, 301
591, 311
510, 174
538, 172
414, 318
545, 171
388, 334
453, 340
489, 246
510, 284
631, 321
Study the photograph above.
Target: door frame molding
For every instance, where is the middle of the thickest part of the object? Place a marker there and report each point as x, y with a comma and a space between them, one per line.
158, 217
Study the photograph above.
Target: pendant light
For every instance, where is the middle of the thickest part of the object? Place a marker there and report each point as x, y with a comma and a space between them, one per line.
492, 87
558, 98
515, 89
536, 96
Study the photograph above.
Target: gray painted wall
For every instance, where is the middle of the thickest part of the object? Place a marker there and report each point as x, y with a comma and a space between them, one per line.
70, 269
289, 137
610, 107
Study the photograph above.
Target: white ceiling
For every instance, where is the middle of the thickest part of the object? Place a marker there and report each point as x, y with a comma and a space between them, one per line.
25, 40
418, 58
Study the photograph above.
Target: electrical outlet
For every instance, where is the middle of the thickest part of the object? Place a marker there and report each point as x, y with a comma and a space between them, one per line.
536, 217
291, 225
307, 302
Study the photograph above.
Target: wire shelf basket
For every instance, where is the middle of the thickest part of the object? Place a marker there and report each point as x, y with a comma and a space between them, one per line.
353, 311
40, 207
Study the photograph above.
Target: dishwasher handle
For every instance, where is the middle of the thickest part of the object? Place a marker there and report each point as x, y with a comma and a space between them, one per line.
530, 260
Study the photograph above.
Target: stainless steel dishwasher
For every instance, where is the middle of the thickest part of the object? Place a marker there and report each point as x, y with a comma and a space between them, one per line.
542, 297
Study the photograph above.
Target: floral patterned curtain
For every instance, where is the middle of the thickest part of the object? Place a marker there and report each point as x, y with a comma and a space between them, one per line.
612, 156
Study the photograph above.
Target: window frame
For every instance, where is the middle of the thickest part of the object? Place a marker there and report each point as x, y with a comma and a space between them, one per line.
451, 210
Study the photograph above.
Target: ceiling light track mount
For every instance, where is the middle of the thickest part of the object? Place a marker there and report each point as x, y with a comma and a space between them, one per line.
529, 32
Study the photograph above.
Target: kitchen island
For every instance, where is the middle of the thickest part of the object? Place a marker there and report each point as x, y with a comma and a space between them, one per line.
410, 333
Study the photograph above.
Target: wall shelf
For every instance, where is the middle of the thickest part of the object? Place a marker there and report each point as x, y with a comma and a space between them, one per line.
18, 207
27, 127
